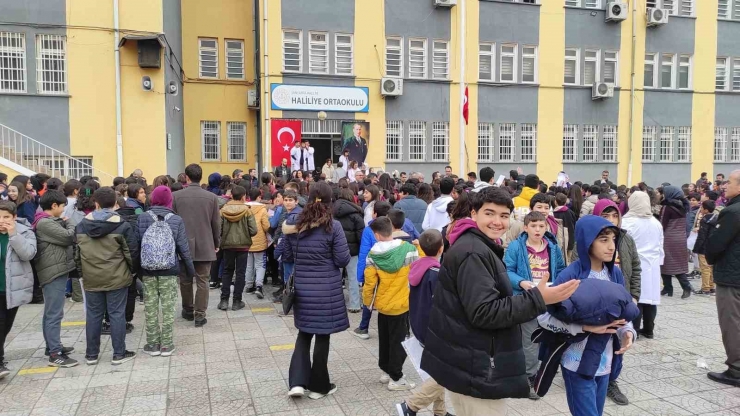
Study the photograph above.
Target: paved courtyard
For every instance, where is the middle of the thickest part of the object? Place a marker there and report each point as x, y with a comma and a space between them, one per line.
238, 365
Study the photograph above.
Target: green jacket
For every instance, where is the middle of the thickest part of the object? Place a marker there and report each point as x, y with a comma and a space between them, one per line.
54, 256
237, 226
629, 263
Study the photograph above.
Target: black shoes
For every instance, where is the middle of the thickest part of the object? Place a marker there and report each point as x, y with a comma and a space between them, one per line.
129, 327
188, 315
726, 377
120, 359
686, 293
403, 410
258, 293
200, 322
223, 305
215, 285
616, 395
251, 289
665, 292
237, 305
61, 360
648, 335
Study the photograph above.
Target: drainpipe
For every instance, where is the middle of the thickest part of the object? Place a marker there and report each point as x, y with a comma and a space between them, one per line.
266, 101
632, 91
258, 85
117, 54
463, 165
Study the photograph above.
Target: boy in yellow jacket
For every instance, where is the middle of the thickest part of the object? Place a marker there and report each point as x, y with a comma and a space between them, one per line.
387, 289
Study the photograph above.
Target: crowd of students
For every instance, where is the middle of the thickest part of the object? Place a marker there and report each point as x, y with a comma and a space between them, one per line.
456, 266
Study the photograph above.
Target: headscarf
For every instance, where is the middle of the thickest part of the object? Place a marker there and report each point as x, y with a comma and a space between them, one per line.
161, 197
214, 180
639, 204
674, 196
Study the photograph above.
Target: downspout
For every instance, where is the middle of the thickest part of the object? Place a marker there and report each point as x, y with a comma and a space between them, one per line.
266, 101
463, 164
258, 84
117, 54
632, 91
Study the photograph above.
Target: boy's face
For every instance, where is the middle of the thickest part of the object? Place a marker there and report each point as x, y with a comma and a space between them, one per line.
5, 219
693, 202
611, 215
492, 220
57, 210
603, 247
542, 208
536, 230
289, 203
278, 200
704, 211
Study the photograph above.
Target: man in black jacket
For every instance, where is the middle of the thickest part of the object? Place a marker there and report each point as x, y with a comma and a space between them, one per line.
473, 343
723, 251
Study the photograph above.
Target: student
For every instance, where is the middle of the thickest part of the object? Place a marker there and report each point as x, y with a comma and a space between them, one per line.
285, 225
569, 218
387, 290
136, 198
423, 276
54, 260
371, 197
533, 256
257, 260
707, 222
17, 249
541, 203
398, 218
107, 256
238, 226
436, 214
71, 191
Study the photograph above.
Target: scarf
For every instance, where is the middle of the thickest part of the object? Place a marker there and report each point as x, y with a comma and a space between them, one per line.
553, 225
639, 206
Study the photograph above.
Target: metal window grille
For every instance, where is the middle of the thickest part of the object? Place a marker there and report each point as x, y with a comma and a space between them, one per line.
736, 9
394, 57
393, 140
571, 66
237, 141
417, 58
591, 67
313, 127
666, 144
684, 144
440, 60
417, 140
570, 140
592, 4
736, 74
573, 3
506, 132
684, 72
208, 58
485, 142
235, 59
590, 142
12, 62
529, 143
684, 7
440, 141
648, 143
529, 64
292, 51
344, 55
652, 3
720, 144
51, 64
609, 144
508, 65
79, 166
724, 10
667, 70
318, 53
720, 83
735, 145
650, 70
670, 6
611, 67
210, 139
486, 59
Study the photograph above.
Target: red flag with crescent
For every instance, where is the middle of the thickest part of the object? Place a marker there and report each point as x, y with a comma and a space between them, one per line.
466, 106
284, 134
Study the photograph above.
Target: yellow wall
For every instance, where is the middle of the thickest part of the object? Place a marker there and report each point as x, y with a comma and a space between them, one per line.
703, 116
472, 39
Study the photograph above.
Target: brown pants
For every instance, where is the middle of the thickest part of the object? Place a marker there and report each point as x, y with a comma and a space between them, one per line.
471, 406
707, 277
202, 276
728, 309
429, 392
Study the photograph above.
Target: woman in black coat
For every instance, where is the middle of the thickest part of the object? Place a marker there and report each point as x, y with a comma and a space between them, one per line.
350, 215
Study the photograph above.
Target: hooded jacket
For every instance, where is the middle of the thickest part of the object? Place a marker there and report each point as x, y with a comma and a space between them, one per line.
368, 241
480, 185
177, 226
18, 271
259, 240
415, 210
135, 204
517, 260
706, 224
351, 217
587, 208
387, 276
436, 214
54, 247
629, 258
522, 201
214, 182
673, 218
237, 226
423, 276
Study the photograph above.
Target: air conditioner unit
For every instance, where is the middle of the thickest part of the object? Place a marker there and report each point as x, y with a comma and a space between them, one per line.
602, 90
656, 17
445, 3
616, 11
391, 87
252, 100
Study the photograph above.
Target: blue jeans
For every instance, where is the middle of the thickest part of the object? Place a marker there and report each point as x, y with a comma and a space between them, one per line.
54, 297
115, 301
287, 270
354, 287
366, 315
586, 396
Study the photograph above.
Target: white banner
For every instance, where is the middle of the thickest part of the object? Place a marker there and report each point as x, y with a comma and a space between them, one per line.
319, 98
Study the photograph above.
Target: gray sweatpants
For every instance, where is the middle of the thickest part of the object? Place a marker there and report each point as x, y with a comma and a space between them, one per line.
531, 350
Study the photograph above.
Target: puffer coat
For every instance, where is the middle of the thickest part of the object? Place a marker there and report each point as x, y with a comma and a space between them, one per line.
54, 239
18, 272
351, 217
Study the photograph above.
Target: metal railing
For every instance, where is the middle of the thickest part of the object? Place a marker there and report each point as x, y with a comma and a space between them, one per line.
40, 158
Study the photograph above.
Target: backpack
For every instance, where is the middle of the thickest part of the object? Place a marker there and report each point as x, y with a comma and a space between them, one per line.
158, 245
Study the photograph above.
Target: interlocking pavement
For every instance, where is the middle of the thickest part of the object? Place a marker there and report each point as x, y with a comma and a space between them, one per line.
238, 365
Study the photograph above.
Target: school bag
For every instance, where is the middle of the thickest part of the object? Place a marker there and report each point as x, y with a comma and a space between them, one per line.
158, 245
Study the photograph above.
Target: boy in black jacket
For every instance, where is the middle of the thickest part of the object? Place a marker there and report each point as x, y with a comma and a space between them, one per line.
707, 222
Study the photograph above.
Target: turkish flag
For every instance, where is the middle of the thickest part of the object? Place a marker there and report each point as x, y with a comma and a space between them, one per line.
466, 106
284, 134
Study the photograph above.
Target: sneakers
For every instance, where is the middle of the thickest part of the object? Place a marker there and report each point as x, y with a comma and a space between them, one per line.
91, 359
251, 289
167, 351
532, 394
223, 305
126, 357
61, 360
400, 385
200, 322
712, 292
403, 410
297, 391
237, 304
215, 285
129, 327
350, 310
385, 379
616, 395
4, 371
106, 329
141, 300
152, 349
316, 396
361, 333
259, 293
702, 292
188, 315
65, 350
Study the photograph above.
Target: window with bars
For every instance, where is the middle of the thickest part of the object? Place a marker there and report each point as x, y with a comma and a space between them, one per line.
507, 65
648, 143
440, 141
570, 143
51, 64
529, 64
417, 58
394, 57
393, 140
652, 3
417, 140
728, 9
666, 144
611, 67
344, 54
590, 143
721, 74
720, 144
292, 51
684, 144
590, 67
679, 7
208, 58
609, 144
318, 53
736, 74
589, 4
528, 140
237, 141
684, 72
667, 70
210, 140
735, 145
12, 62
506, 132
572, 65
440, 60
485, 142
486, 60
234, 59
650, 70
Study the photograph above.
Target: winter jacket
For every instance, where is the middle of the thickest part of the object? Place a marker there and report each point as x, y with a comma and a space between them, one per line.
673, 219
18, 271
368, 210
70, 208
129, 215
259, 240
588, 205
723, 248
287, 226
237, 226
690, 219
108, 251
522, 201
480, 185
569, 219
517, 228
706, 225
54, 254
27, 210
350, 216
387, 277
133, 203
415, 210
423, 277
473, 343
436, 215
177, 226
368, 241
517, 260
199, 210
318, 255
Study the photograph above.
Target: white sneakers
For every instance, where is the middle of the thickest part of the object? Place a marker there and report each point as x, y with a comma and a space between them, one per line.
400, 385
384, 379
297, 391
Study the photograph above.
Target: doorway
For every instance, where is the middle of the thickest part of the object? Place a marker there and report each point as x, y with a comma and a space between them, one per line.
322, 151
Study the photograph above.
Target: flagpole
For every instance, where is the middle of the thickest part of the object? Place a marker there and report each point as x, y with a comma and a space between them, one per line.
463, 164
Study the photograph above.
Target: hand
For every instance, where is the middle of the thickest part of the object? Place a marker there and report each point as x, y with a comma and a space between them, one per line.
557, 294
216, 250
626, 343
10, 228
610, 328
519, 170
65, 219
526, 284
415, 242
546, 275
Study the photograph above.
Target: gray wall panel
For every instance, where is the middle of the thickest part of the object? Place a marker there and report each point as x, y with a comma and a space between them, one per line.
654, 174
727, 110
728, 34
423, 101
506, 22
34, 11
586, 31
677, 36
426, 168
415, 18
725, 168
504, 168
174, 120
507, 104
334, 15
579, 108
664, 108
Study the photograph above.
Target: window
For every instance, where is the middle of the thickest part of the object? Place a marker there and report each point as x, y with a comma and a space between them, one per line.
506, 133
650, 70
51, 64
652, 3
394, 57
720, 144
393, 139
736, 74
440, 60
529, 143
210, 139
589, 4
667, 71
417, 140
344, 54
684, 72
611, 67
486, 59
571, 67
208, 54
590, 142
721, 73
508, 63
570, 148
440, 141
292, 51
684, 144
609, 144
237, 141
591, 67
485, 142
666, 144
679, 7
529, 64
417, 58
726, 8
12, 62
234, 59
735, 145
648, 143
79, 166
318, 53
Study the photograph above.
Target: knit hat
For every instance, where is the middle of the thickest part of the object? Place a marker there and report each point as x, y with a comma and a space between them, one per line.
161, 197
